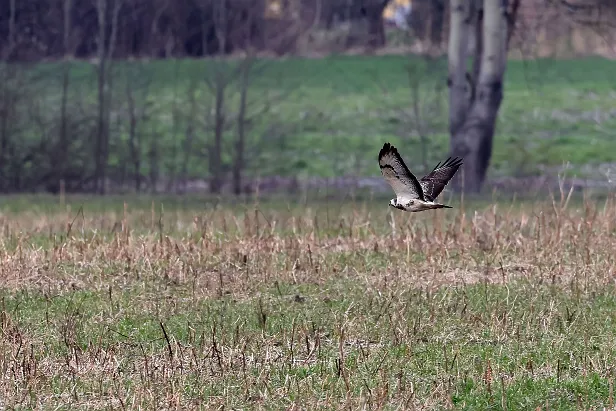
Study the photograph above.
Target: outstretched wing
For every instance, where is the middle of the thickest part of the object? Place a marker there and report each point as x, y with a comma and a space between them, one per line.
434, 182
398, 175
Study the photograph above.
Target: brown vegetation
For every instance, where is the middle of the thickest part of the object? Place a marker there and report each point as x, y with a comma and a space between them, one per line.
297, 244
544, 28
158, 265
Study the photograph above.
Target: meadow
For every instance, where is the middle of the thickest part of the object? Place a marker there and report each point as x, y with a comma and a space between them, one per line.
329, 116
314, 301
181, 303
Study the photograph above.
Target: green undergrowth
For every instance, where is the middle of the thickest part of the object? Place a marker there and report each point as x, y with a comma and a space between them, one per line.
328, 117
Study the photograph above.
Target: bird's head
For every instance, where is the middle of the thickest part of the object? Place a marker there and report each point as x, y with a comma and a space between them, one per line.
393, 202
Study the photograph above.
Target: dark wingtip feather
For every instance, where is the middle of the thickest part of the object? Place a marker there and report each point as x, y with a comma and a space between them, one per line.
387, 148
458, 161
452, 162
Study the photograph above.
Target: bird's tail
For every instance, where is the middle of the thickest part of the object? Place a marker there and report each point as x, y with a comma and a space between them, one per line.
443, 206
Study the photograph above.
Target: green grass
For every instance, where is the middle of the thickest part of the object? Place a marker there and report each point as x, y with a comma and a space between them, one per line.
406, 346
324, 305
329, 116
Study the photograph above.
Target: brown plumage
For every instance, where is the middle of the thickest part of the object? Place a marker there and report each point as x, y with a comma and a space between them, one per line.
412, 194
434, 182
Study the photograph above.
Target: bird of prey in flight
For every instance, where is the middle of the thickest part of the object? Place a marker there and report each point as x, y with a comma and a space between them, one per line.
411, 194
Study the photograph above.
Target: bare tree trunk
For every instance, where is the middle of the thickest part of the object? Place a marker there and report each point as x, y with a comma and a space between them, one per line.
133, 138
219, 127
437, 15
99, 175
238, 163
104, 90
137, 88
475, 99
5, 100
459, 87
109, 86
220, 84
189, 135
426, 20
60, 158
477, 23
376, 28
368, 30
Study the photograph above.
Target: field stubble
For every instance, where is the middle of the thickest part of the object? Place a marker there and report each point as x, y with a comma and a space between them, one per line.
506, 306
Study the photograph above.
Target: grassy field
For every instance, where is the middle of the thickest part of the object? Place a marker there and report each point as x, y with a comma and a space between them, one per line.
159, 303
330, 116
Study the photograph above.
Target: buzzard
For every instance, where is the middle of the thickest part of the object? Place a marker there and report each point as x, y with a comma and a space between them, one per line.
411, 194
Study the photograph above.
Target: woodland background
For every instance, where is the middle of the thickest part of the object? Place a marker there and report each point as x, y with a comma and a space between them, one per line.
239, 95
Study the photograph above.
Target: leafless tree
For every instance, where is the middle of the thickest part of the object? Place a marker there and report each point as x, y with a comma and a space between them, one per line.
138, 107
226, 77
422, 117
475, 96
8, 97
233, 114
587, 12
218, 83
425, 108
191, 130
60, 155
427, 20
104, 81
374, 16
240, 142
367, 26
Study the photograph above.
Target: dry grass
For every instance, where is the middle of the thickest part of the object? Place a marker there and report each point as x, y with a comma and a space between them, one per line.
345, 307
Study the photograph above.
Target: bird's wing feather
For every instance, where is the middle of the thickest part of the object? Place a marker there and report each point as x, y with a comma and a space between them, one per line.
434, 182
396, 173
